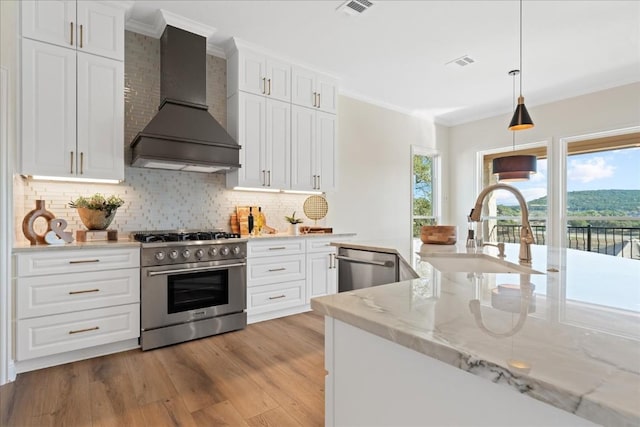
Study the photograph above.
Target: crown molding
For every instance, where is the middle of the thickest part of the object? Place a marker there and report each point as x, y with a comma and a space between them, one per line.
164, 18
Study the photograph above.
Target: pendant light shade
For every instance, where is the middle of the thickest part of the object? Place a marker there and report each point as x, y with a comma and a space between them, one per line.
514, 168
521, 119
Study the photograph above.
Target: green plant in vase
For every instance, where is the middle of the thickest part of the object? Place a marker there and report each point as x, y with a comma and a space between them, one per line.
293, 223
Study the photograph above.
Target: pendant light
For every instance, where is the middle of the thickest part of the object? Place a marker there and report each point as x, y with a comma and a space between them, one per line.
521, 119
518, 167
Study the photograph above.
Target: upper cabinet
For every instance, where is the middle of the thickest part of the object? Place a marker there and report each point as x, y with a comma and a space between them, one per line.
72, 90
314, 90
253, 72
88, 26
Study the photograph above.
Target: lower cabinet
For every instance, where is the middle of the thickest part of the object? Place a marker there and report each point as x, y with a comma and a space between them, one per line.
284, 274
72, 304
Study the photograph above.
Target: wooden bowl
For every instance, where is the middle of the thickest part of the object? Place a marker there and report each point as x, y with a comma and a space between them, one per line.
439, 234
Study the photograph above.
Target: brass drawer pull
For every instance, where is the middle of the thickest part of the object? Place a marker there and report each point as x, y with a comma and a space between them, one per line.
277, 297
264, 85
81, 163
71, 163
95, 328
84, 261
277, 248
83, 292
277, 269
80, 36
71, 38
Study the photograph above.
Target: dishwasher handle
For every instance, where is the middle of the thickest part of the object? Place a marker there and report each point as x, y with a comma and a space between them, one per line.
364, 261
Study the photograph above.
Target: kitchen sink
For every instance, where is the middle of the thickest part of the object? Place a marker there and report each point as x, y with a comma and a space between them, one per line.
474, 263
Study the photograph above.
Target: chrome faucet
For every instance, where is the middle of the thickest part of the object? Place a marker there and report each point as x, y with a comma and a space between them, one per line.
526, 234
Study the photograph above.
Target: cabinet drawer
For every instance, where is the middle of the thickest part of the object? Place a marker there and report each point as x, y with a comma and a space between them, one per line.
317, 244
45, 295
275, 247
72, 261
43, 336
268, 270
274, 297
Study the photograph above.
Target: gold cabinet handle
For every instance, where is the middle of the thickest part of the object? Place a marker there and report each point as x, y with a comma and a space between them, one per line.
269, 175
81, 36
269, 87
71, 171
277, 297
264, 85
277, 269
319, 185
318, 100
264, 177
83, 292
315, 94
277, 248
84, 261
71, 34
81, 163
95, 328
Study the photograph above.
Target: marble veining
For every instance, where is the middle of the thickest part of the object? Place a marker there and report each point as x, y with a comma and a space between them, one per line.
571, 352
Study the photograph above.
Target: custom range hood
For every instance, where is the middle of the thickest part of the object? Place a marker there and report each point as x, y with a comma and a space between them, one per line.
183, 135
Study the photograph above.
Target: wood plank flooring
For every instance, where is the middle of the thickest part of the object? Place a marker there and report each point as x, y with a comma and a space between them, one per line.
269, 374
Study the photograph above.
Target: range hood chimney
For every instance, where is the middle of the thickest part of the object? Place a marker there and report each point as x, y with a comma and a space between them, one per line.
183, 135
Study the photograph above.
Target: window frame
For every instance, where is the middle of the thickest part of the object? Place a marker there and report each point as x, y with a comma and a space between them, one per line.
436, 185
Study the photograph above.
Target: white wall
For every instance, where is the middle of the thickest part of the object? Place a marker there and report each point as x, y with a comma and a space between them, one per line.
374, 168
606, 110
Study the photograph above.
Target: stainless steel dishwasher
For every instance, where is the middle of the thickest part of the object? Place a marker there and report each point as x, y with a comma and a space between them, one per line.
359, 269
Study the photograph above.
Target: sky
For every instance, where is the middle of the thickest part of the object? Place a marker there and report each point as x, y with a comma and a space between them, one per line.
607, 170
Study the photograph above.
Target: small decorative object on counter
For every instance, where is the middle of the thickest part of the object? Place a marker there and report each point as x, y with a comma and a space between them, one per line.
293, 224
250, 220
97, 212
58, 226
439, 234
30, 219
259, 221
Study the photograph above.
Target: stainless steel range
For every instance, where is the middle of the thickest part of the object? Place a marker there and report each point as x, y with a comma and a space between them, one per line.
193, 284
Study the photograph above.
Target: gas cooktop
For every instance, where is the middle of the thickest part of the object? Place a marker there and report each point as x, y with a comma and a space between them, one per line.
181, 236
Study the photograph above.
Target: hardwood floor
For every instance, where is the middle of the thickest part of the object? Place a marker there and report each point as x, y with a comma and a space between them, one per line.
269, 374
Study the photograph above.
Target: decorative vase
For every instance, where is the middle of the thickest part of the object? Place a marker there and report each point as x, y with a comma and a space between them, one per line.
293, 229
96, 219
30, 219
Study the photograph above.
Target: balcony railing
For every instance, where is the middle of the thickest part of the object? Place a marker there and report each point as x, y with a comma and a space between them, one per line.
616, 241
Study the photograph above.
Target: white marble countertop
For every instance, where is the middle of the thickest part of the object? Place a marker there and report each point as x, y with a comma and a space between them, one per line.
121, 243
298, 236
577, 349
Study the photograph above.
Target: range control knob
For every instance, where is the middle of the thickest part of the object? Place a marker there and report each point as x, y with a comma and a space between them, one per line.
236, 250
213, 251
199, 253
173, 254
160, 256
224, 251
186, 253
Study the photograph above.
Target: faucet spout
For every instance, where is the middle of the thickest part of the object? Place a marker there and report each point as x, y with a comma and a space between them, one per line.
526, 234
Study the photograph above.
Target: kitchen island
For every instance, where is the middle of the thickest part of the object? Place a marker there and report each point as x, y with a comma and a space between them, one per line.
444, 349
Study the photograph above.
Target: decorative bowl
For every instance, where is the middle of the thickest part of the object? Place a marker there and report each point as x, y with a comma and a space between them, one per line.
96, 219
439, 234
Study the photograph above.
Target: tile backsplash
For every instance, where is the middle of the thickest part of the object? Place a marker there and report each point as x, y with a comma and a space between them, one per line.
157, 199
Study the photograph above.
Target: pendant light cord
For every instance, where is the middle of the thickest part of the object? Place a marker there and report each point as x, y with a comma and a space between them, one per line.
520, 47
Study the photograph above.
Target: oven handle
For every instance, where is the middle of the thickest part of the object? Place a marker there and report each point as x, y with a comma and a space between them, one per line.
190, 270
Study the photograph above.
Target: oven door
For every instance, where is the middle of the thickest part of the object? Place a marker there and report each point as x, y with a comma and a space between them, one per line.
175, 294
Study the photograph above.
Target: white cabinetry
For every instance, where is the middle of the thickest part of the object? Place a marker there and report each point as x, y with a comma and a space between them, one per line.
322, 278
283, 274
254, 72
313, 149
263, 127
285, 122
275, 278
72, 93
90, 26
314, 90
71, 303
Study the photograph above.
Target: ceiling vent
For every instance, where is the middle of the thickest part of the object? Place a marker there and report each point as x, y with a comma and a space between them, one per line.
463, 61
355, 7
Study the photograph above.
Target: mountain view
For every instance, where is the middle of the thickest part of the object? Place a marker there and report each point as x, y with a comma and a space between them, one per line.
591, 203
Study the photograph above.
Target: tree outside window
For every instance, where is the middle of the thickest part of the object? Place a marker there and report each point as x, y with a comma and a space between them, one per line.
423, 209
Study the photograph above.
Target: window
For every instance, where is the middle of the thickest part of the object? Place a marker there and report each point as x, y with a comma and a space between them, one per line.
424, 205
603, 195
